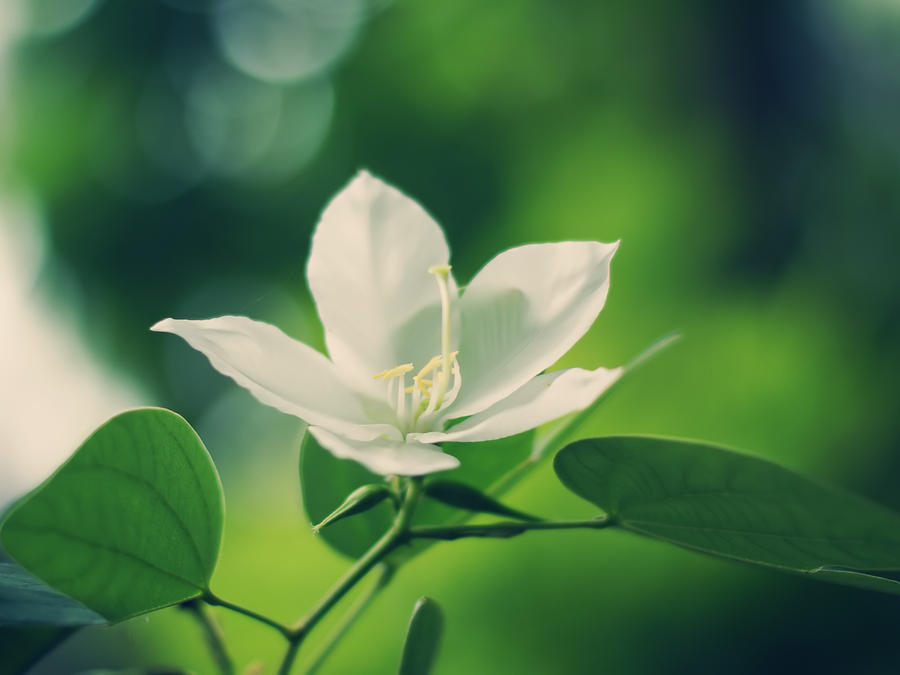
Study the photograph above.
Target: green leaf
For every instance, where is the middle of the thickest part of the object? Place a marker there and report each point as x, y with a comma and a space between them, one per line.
324, 483
491, 468
735, 506
461, 496
481, 466
132, 522
423, 638
359, 501
25, 599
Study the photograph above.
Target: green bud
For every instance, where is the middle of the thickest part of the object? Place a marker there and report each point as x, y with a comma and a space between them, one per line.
361, 499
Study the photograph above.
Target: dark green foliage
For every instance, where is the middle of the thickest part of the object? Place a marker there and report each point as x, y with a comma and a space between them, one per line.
736, 506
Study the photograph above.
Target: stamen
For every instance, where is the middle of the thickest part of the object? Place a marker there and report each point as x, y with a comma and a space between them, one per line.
401, 396
428, 367
457, 382
442, 275
426, 413
391, 373
421, 384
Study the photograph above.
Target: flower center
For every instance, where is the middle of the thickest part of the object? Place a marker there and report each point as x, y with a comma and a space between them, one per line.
417, 405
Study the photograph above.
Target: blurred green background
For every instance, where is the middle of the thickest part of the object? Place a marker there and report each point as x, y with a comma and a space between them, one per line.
174, 156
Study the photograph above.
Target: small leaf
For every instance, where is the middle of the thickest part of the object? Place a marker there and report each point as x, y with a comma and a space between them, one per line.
732, 505
25, 600
324, 482
462, 496
481, 466
423, 638
359, 501
132, 522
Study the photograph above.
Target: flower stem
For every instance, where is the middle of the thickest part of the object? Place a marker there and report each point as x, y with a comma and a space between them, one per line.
387, 572
380, 550
503, 529
442, 274
213, 634
289, 657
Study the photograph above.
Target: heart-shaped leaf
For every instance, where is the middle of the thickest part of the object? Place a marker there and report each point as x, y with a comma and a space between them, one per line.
732, 505
132, 522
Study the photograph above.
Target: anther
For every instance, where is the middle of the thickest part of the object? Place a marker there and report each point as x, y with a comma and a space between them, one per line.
391, 373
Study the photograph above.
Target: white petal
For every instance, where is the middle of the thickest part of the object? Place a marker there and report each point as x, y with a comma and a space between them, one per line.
387, 457
278, 370
545, 398
523, 311
368, 273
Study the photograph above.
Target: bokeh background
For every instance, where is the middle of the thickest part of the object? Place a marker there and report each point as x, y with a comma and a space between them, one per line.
170, 158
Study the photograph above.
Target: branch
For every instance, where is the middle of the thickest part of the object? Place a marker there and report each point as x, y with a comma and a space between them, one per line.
379, 551
387, 573
213, 634
502, 530
211, 598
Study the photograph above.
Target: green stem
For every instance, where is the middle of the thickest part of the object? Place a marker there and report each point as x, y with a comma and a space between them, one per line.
350, 618
213, 634
289, 657
211, 598
503, 529
379, 551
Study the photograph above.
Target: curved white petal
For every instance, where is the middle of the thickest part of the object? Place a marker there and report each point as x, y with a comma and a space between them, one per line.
523, 311
387, 457
368, 273
279, 371
545, 398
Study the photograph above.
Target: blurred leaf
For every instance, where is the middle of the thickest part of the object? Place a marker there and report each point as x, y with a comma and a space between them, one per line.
23, 647
34, 618
26, 600
462, 496
481, 465
551, 438
423, 638
732, 505
132, 522
489, 467
325, 481
567, 426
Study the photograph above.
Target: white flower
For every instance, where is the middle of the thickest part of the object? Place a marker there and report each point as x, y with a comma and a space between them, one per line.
408, 355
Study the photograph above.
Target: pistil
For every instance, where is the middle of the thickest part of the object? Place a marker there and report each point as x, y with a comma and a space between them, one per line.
442, 274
